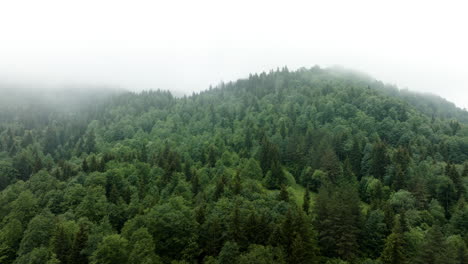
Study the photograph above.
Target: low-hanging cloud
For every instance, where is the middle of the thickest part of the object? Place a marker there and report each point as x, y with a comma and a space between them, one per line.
185, 46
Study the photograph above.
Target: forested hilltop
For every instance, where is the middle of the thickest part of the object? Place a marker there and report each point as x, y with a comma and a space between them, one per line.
311, 166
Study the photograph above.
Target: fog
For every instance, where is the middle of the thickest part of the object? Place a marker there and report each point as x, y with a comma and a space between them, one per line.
185, 46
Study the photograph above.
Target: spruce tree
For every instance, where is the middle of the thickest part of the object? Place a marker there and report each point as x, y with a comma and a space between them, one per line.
61, 245
84, 165
452, 173
394, 250
283, 194
237, 184
433, 248
379, 160
195, 184
79, 244
219, 190
355, 158
306, 203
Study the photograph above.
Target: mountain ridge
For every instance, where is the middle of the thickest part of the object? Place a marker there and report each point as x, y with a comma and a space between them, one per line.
314, 166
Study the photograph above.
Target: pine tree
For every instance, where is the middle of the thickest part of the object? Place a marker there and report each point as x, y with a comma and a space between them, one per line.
37, 164
50, 141
93, 166
90, 142
269, 155
331, 165
373, 234
195, 184
297, 238
61, 245
379, 160
283, 194
237, 184
188, 170
355, 158
465, 170
212, 156
394, 250
27, 139
399, 178
452, 173
143, 155
298, 251
275, 177
348, 175
79, 244
433, 248
84, 165
306, 204
338, 221
402, 158
248, 142
219, 190
235, 225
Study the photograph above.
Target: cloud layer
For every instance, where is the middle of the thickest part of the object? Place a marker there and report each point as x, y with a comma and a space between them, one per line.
188, 45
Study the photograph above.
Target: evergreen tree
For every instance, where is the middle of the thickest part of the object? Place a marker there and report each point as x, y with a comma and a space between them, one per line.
275, 177
433, 248
84, 165
331, 165
379, 161
229, 253
142, 251
27, 139
452, 173
212, 156
195, 184
50, 140
237, 184
269, 155
283, 194
113, 249
355, 158
297, 238
235, 226
219, 190
373, 234
79, 244
394, 250
61, 245
348, 175
338, 221
399, 179
306, 203
465, 170
90, 142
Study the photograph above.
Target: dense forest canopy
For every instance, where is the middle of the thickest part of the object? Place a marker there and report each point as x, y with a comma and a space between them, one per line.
311, 166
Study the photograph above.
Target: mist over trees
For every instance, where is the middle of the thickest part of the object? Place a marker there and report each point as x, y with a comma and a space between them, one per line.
311, 166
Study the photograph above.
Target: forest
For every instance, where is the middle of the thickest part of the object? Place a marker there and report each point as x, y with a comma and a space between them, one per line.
316, 165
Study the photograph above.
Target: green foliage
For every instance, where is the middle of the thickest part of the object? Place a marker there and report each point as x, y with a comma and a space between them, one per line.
338, 221
394, 251
311, 166
258, 254
113, 249
142, 248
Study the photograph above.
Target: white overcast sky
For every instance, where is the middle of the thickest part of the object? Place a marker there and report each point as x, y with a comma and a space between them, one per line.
188, 45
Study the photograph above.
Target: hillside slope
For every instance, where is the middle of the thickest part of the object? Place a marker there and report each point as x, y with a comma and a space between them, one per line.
311, 166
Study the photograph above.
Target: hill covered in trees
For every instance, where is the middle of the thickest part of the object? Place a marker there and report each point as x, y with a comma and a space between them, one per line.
311, 166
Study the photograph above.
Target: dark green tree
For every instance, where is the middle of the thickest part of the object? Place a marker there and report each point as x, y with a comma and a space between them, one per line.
379, 161
394, 250
306, 203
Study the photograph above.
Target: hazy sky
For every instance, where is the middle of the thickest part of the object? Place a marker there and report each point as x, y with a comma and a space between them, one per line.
188, 45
